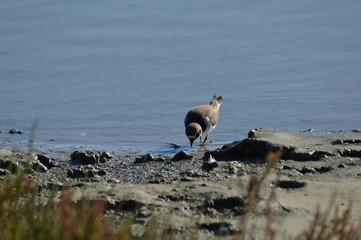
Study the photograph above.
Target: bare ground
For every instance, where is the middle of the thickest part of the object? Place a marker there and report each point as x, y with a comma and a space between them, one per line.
203, 201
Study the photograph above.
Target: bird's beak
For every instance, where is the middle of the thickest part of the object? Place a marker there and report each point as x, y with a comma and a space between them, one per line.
191, 141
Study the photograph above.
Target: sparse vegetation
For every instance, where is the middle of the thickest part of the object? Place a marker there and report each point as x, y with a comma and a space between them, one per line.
28, 212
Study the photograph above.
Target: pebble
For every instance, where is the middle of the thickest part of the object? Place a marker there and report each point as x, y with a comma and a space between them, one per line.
210, 164
182, 155
13, 131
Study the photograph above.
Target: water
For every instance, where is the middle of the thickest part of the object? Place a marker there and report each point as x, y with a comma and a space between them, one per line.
119, 75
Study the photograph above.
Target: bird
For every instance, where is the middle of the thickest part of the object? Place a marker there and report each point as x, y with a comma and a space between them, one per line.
202, 119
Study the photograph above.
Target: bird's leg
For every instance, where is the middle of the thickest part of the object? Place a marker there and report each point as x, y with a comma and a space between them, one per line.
204, 142
200, 138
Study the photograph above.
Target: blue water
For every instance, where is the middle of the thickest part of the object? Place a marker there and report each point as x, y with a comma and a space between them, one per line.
123, 74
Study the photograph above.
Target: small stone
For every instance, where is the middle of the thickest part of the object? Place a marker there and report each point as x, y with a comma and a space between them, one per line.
79, 173
105, 157
145, 158
305, 170
341, 165
285, 167
210, 164
182, 155
13, 131
101, 172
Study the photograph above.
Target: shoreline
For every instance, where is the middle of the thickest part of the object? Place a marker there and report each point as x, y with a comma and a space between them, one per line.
196, 190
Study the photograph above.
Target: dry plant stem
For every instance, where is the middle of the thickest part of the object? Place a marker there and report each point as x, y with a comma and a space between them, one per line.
253, 198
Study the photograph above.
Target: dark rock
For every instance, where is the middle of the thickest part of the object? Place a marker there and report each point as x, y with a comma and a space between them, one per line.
305, 170
3, 172
149, 158
346, 141
341, 165
324, 169
29, 161
80, 173
182, 155
219, 228
234, 204
46, 161
87, 157
186, 179
39, 167
285, 167
101, 172
105, 157
287, 184
13, 131
12, 166
246, 149
254, 149
124, 205
1, 131
350, 153
210, 164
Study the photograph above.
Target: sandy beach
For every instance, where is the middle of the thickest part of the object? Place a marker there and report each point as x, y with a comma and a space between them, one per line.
207, 196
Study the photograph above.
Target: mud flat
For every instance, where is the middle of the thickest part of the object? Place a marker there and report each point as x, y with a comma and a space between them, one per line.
207, 191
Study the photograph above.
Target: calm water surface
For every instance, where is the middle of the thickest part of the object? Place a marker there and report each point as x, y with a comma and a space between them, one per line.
122, 74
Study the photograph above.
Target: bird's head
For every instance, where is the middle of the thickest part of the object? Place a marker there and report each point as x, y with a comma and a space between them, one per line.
193, 131
216, 101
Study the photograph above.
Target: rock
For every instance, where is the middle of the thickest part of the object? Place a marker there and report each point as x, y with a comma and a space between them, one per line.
219, 228
149, 158
287, 184
295, 145
210, 164
12, 162
90, 157
13, 131
1, 131
46, 161
105, 157
39, 167
350, 153
80, 173
4, 172
323, 169
341, 165
129, 205
305, 170
181, 155
246, 149
234, 204
7, 164
101, 172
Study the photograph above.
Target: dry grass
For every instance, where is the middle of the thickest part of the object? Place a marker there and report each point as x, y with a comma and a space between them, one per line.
25, 215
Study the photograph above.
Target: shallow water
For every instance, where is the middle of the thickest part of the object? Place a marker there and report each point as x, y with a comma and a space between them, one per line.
122, 74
